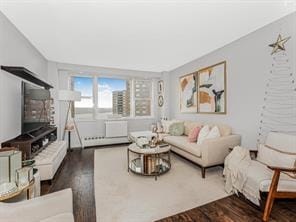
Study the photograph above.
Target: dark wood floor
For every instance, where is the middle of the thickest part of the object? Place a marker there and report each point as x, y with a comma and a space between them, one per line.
235, 209
77, 172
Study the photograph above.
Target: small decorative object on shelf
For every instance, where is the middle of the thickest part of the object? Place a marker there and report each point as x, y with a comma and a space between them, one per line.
52, 112
153, 128
159, 128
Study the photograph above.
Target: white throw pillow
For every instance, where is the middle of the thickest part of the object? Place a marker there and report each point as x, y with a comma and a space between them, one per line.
271, 157
203, 134
214, 133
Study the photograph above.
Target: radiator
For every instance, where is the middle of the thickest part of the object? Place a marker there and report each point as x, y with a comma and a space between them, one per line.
116, 129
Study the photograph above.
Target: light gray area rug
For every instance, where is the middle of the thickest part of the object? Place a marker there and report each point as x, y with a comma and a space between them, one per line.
122, 196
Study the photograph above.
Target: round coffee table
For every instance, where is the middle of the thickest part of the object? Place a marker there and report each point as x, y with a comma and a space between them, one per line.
149, 161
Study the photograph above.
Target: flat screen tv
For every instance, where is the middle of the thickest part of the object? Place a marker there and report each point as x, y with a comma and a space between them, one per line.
35, 107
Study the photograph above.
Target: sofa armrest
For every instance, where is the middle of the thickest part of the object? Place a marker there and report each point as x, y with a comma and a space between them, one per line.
215, 150
39, 208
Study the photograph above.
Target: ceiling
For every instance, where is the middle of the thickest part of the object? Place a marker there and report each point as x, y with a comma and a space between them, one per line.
141, 35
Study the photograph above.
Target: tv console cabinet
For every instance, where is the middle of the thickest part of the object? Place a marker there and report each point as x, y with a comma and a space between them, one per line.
34, 142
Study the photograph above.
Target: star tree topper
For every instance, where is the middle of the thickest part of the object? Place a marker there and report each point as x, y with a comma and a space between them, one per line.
279, 44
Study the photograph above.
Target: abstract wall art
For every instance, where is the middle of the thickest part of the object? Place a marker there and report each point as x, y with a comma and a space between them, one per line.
188, 93
212, 89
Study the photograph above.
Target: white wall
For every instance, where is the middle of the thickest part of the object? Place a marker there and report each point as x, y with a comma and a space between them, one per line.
58, 76
248, 65
15, 50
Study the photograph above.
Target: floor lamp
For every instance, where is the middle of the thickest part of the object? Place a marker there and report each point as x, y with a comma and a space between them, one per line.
70, 97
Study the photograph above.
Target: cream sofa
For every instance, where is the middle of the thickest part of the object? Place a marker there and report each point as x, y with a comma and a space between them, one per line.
54, 207
211, 152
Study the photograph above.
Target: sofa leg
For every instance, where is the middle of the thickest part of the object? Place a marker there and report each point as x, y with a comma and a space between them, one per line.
203, 172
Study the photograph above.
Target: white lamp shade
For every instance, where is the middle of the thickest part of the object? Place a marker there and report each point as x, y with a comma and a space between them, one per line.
69, 95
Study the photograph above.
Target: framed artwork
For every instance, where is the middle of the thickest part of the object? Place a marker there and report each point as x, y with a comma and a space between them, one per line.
160, 87
188, 93
212, 89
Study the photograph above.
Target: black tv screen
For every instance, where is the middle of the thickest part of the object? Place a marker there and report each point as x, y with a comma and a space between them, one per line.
35, 107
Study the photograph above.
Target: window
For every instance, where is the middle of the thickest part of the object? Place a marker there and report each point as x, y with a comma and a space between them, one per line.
103, 97
143, 97
113, 97
83, 108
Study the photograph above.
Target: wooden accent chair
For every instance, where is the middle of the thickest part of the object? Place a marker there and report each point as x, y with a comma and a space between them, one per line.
273, 190
272, 172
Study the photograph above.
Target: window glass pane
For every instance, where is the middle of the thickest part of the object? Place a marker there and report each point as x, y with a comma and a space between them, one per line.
143, 108
142, 88
83, 108
113, 97
83, 85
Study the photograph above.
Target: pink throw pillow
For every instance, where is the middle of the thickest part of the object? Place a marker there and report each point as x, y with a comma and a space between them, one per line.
193, 135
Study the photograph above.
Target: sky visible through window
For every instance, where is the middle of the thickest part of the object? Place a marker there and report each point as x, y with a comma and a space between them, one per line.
105, 88
84, 85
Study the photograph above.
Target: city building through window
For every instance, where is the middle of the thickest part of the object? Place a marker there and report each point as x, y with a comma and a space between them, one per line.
105, 97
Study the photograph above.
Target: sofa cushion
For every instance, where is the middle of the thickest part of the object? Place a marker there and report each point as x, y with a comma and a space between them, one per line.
224, 129
214, 133
203, 134
176, 129
167, 123
193, 135
190, 125
182, 143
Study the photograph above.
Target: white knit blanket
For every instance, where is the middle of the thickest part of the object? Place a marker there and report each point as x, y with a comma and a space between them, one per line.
235, 169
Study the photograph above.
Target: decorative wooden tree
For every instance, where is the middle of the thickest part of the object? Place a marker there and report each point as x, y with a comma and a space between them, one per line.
279, 108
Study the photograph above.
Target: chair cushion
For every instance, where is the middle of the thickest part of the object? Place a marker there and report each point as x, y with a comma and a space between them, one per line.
190, 125
272, 157
182, 143
260, 176
284, 184
282, 142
